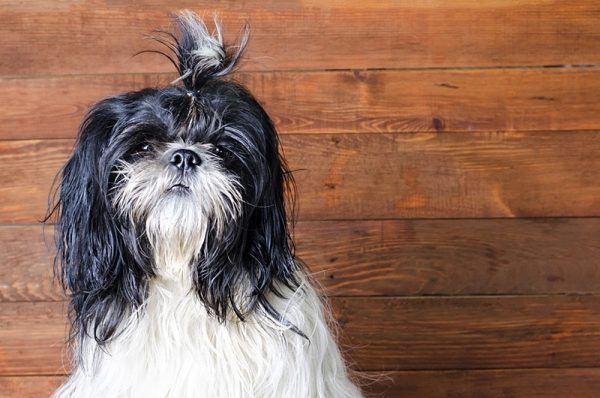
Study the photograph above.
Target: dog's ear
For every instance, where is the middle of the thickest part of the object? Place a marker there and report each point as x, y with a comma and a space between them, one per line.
93, 261
268, 250
271, 215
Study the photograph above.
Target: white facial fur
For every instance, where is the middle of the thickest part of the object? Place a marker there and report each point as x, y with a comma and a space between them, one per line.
177, 222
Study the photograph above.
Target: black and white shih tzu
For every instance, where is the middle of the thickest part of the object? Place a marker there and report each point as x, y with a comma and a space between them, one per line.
174, 247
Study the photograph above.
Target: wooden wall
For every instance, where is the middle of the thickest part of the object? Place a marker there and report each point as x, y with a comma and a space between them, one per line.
448, 166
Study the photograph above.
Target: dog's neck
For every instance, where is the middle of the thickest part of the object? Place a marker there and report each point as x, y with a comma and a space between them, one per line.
176, 234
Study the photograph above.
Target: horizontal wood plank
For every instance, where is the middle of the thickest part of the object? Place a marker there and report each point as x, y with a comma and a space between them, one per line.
26, 262
502, 383
101, 36
29, 386
382, 333
470, 332
452, 257
462, 175
386, 258
374, 176
32, 339
341, 102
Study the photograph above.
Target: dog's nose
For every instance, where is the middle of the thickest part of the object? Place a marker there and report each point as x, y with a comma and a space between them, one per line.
184, 159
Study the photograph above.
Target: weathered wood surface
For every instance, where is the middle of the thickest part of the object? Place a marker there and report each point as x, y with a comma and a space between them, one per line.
470, 332
342, 101
423, 135
499, 383
386, 258
375, 176
28, 386
502, 383
382, 333
101, 36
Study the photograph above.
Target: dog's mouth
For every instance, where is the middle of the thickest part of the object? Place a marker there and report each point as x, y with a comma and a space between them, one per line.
179, 187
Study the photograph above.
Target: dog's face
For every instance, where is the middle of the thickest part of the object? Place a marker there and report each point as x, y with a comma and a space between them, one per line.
185, 163
182, 183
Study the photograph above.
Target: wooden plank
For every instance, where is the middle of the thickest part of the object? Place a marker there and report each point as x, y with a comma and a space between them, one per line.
102, 36
382, 333
462, 175
27, 171
452, 257
32, 339
374, 176
470, 332
341, 102
387, 258
521, 383
26, 258
28, 386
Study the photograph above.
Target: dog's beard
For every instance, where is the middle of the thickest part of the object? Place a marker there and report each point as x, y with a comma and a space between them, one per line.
177, 213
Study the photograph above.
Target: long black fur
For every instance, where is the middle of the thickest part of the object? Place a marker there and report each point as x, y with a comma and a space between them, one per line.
105, 263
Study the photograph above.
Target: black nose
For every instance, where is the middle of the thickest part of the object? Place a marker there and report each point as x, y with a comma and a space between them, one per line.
184, 159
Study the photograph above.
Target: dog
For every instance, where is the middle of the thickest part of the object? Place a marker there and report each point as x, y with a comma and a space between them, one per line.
174, 244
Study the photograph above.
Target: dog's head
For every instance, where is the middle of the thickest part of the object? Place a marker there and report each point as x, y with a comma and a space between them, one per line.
180, 183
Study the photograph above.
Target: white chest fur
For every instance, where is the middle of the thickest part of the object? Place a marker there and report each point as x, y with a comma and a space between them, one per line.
173, 348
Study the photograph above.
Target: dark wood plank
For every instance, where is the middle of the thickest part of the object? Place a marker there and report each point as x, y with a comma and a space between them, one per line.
387, 258
520, 383
462, 175
383, 333
470, 332
452, 257
102, 36
341, 102
373, 176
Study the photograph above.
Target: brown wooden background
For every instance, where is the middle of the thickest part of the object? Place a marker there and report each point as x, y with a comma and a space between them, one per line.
448, 157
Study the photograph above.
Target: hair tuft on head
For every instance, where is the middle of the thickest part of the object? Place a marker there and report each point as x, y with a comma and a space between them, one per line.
201, 55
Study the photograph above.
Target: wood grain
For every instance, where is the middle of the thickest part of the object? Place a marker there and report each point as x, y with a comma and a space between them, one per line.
27, 171
341, 101
452, 257
32, 339
387, 258
382, 333
26, 262
503, 383
374, 176
101, 36
462, 175
28, 386
470, 332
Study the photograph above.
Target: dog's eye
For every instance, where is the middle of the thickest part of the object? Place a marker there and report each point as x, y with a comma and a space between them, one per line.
217, 150
146, 148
